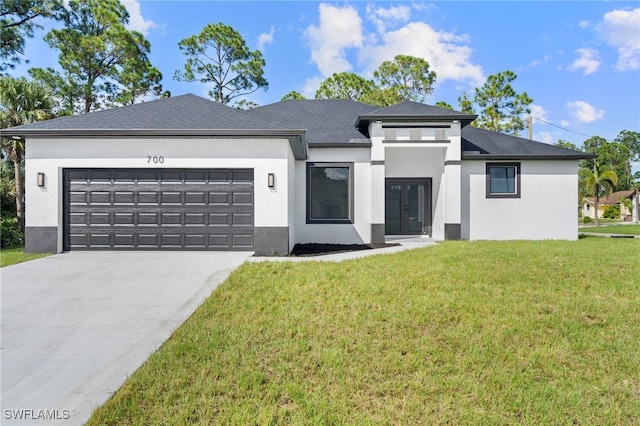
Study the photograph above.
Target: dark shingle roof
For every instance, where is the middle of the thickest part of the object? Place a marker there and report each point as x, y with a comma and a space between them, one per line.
180, 112
321, 122
409, 110
485, 144
326, 120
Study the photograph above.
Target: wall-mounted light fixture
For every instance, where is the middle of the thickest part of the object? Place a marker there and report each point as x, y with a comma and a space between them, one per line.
271, 180
41, 179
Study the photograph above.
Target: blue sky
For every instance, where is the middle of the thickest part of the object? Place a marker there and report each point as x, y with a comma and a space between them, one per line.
579, 61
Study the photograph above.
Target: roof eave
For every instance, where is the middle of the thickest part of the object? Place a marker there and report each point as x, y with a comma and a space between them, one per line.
340, 145
416, 117
151, 132
525, 157
297, 137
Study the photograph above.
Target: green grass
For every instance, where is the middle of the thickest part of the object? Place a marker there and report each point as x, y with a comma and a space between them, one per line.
613, 229
460, 333
16, 254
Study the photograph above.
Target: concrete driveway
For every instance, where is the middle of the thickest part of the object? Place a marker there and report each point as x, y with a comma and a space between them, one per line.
76, 325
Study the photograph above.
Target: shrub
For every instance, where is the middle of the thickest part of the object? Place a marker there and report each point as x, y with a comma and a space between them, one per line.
10, 233
586, 219
612, 212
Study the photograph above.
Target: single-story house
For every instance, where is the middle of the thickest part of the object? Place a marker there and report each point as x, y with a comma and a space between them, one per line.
613, 199
186, 173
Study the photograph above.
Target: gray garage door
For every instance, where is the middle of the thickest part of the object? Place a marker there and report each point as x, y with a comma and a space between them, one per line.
150, 209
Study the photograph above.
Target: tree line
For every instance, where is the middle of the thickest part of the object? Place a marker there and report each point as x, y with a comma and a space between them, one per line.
102, 64
611, 170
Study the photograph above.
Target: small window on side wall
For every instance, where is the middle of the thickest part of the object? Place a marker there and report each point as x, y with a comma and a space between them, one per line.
503, 180
329, 193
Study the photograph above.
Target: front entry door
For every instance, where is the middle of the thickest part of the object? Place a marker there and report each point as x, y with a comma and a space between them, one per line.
408, 207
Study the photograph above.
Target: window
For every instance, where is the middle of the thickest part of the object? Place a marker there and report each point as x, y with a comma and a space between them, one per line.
503, 180
329, 193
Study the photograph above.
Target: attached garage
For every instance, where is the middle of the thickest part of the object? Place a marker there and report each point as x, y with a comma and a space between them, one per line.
158, 209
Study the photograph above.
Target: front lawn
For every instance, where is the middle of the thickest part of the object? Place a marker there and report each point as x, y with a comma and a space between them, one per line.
16, 254
613, 229
460, 333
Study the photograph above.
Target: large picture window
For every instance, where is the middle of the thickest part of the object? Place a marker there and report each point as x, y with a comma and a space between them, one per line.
329, 193
503, 180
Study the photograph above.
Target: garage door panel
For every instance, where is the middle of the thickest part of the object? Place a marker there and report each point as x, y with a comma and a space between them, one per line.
125, 219
195, 177
152, 219
242, 240
158, 209
195, 198
242, 198
124, 198
148, 197
148, 240
170, 197
244, 219
124, 240
99, 219
99, 240
245, 176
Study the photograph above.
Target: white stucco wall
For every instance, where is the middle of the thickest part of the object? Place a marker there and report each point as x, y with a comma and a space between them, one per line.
51, 156
545, 210
360, 230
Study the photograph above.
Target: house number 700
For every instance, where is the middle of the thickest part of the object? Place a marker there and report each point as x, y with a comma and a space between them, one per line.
155, 159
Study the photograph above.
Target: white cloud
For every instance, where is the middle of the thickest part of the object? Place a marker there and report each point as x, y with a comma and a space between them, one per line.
311, 86
539, 112
585, 112
565, 123
584, 24
447, 53
382, 17
545, 137
621, 29
546, 58
588, 61
136, 20
265, 39
340, 28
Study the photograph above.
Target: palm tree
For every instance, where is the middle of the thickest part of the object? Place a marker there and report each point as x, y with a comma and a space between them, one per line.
21, 102
600, 182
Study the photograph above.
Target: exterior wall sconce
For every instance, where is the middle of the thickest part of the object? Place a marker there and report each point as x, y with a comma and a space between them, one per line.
41, 179
271, 180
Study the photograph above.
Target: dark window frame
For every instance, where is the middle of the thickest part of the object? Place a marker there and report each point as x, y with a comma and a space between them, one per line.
515, 194
311, 220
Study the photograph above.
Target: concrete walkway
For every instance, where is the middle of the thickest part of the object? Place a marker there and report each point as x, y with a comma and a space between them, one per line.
74, 326
405, 243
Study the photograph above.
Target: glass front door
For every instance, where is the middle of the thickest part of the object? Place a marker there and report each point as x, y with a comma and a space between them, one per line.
408, 207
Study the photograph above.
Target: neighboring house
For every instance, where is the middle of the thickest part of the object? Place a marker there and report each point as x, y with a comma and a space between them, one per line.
188, 173
613, 199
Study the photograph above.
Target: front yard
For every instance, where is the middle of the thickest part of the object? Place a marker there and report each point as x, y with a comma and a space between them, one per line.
613, 229
12, 255
460, 333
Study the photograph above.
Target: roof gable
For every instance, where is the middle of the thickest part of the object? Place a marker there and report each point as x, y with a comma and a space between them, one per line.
412, 111
411, 108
